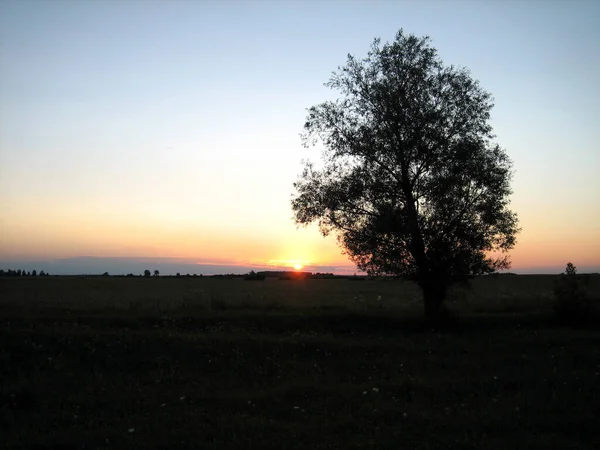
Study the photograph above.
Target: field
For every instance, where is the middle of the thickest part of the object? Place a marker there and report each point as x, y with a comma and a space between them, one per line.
116, 362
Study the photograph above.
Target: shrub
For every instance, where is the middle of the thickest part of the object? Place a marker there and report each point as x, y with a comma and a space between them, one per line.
571, 305
253, 276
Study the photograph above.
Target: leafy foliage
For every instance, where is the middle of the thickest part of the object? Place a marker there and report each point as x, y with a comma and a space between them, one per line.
412, 184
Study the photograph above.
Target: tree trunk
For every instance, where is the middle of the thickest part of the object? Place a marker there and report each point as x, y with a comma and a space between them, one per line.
433, 298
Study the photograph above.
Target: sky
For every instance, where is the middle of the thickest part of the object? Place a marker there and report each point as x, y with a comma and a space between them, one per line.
170, 129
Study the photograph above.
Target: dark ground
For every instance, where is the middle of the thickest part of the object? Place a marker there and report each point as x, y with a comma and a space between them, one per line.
302, 379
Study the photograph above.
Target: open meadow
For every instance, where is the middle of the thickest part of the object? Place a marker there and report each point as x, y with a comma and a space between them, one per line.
206, 362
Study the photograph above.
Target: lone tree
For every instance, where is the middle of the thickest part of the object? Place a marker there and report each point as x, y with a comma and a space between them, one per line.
412, 183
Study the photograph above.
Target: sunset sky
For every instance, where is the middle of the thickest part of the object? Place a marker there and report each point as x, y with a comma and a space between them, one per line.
171, 128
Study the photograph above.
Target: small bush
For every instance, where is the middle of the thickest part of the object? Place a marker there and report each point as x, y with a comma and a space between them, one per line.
253, 276
571, 305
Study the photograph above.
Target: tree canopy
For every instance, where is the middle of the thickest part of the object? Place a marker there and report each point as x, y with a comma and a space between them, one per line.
412, 183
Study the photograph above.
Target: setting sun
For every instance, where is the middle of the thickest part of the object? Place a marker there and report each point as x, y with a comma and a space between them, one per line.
217, 198
286, 264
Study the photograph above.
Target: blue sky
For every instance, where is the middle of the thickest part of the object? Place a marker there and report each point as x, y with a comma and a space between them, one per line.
171, 128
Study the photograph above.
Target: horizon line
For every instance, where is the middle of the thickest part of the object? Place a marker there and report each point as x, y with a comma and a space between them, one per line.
215, 266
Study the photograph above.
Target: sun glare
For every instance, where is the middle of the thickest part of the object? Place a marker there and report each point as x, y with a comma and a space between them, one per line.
287, 264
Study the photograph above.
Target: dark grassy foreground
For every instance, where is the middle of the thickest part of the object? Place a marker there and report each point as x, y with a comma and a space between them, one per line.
305, 378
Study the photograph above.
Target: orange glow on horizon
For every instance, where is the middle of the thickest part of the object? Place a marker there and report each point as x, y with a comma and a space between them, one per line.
66, 232
296, 264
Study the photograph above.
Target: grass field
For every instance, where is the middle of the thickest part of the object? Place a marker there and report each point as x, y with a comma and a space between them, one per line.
215, 363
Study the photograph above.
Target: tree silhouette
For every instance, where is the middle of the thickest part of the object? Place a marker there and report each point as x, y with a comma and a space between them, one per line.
147, 273
572, 304
156, 273
412, 184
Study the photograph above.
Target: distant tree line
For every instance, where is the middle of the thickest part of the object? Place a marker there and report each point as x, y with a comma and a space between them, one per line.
147, 274
22, 273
